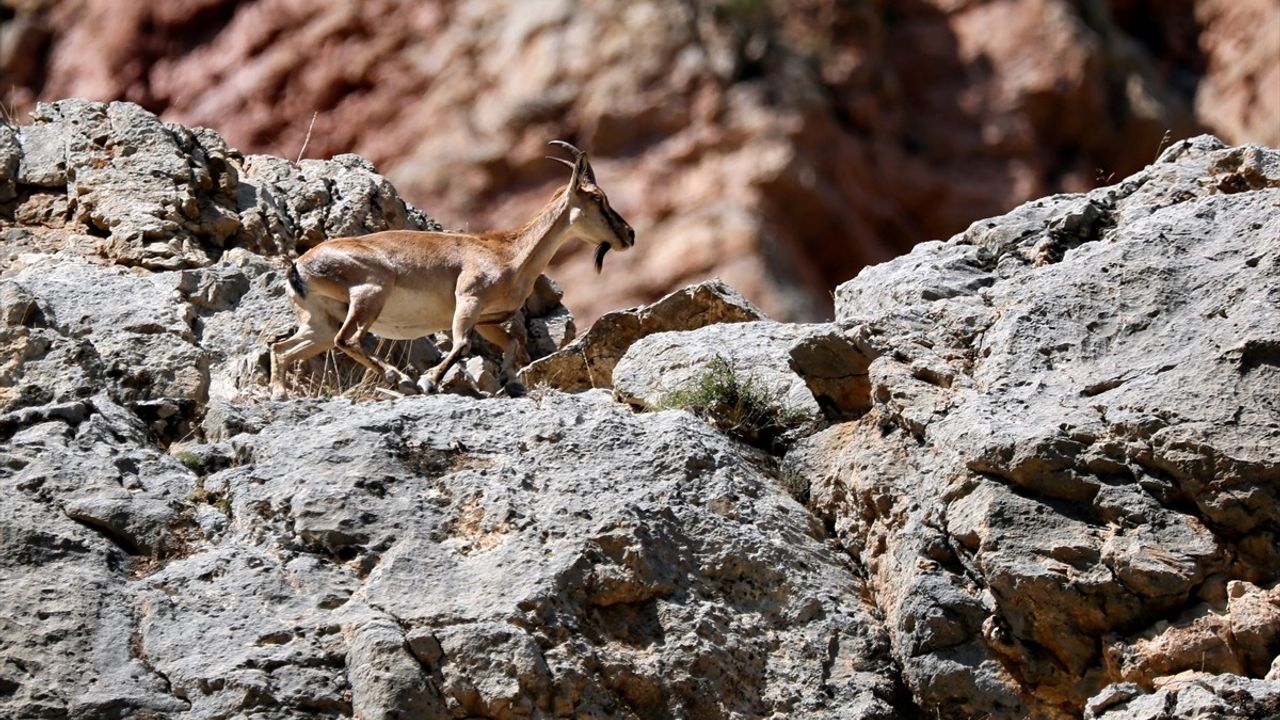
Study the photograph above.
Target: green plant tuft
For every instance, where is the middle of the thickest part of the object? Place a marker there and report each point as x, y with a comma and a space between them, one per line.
190, 459
200, 495
741, 407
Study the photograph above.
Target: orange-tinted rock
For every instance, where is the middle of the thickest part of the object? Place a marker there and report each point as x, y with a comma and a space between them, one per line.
781, 152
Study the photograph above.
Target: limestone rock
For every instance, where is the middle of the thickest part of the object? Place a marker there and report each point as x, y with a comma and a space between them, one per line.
67, 628
524, 579
266, 635
75, 328
1237, 634
41, 153
129, 179
10, 157
550, 333
835, 367
1069, 438
548, 324
165, 197
658, 365
387, 683
287, 207
1191, 695
492, 669
588, 362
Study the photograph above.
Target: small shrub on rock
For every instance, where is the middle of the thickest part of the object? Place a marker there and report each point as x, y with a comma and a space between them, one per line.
739, 406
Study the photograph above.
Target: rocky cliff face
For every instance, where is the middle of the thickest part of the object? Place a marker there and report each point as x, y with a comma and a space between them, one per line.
1035, 473
781, 146
1069, 477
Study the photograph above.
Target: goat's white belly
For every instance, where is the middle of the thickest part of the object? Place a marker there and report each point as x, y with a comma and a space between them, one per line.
410, 314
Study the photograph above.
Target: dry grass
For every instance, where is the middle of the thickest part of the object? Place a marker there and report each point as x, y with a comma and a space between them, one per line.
8, 115
307, 139
341, 376
1165, 141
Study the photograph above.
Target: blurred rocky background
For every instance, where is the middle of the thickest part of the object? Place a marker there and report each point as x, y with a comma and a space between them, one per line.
779, 145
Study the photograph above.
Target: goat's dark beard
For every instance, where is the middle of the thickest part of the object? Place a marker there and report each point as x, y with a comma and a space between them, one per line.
601, 249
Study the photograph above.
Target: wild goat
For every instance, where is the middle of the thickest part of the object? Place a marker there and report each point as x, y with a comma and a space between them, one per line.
404, 284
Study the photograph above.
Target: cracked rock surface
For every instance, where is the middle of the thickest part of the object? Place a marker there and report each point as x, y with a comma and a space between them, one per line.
164, 197
1070, 467
437, 557
1046, 483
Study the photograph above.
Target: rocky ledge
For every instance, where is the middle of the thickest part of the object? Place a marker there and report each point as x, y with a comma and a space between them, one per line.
1034, 472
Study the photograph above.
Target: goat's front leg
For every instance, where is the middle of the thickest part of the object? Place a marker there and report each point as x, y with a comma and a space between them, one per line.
498, 335
466, 312
364, 305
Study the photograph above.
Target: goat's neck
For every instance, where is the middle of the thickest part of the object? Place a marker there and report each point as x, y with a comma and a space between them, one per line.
537, 242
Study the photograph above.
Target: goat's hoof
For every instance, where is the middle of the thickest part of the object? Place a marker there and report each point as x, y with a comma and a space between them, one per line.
426, 386
405, 386
514, 389
279, 393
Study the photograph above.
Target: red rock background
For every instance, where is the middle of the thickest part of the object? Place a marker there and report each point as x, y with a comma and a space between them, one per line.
779, 145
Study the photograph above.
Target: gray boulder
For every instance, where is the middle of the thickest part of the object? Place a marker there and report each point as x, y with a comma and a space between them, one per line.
660, 364
290, 207
1191, 695
10, 158
87, 502
75, 328
130, 178
165, 197
808, 369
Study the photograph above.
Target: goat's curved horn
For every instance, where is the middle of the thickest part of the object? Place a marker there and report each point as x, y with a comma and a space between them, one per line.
559, 160
581, 165
567, 146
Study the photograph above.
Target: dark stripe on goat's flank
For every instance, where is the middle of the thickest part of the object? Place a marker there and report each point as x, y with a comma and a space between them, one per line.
296, 282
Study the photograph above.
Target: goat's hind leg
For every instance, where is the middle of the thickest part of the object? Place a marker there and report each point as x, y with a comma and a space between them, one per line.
365, 304
314, 335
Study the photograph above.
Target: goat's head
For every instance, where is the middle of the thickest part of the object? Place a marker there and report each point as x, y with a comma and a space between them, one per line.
591, 218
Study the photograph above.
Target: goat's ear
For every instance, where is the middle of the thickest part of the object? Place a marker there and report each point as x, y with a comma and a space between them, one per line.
582, 172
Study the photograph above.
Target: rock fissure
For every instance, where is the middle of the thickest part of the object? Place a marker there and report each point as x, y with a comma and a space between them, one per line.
108, 533
139, 652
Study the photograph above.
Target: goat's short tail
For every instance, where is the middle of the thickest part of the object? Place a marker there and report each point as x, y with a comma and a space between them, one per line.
296, 282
